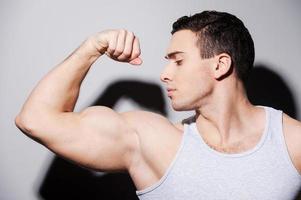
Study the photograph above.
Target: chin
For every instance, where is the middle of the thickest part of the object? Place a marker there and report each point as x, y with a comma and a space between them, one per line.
181, 107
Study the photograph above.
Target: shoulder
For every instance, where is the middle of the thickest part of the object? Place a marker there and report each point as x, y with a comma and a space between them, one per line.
141, 119
158, 141
291, 123
292, 134
150, 127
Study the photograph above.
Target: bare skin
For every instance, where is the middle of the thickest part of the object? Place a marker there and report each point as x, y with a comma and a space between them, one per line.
139, 142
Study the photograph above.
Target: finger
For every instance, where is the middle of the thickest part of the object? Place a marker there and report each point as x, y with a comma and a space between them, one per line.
120, 43
112, 45
136, 49
127, 51
136, 61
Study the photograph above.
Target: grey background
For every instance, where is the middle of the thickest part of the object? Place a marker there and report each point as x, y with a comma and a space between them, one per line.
38, 34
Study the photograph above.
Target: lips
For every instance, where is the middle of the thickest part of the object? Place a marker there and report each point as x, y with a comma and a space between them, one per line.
170, 91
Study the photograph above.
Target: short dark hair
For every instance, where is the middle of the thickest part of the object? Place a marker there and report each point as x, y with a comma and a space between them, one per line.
221, 32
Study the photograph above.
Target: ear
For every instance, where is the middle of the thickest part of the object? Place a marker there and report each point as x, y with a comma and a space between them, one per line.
222, 66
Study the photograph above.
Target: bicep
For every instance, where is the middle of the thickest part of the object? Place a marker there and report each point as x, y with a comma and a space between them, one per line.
98, 138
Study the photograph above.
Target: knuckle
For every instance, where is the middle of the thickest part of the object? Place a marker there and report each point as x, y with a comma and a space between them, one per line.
122, 31
136, 52
126, 54
135, 55
130, 33
115, 35
117, 52
121, 58
110, 50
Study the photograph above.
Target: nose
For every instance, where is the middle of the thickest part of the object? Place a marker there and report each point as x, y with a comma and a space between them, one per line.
165, 75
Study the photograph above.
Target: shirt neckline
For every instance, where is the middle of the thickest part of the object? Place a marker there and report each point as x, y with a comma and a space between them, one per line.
244, 153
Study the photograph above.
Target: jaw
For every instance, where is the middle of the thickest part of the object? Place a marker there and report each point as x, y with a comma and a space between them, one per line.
182, 105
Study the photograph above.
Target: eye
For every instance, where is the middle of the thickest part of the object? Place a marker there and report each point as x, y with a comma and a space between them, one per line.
179, 62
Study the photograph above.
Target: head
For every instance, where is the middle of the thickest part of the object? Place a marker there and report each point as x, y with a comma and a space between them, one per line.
206, 49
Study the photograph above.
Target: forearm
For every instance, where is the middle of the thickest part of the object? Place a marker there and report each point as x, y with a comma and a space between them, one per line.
59, 89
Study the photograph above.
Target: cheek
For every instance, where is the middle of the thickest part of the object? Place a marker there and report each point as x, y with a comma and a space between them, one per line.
196, 84
192, 78
189, 84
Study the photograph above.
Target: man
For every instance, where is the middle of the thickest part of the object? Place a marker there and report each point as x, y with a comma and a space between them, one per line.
230, 149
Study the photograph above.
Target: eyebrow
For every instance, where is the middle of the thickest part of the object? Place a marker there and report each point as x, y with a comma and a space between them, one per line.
172, 54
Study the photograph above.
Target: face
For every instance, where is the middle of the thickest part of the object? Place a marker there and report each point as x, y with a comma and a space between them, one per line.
189, 77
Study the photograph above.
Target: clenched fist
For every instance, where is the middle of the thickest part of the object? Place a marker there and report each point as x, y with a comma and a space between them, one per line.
120, 45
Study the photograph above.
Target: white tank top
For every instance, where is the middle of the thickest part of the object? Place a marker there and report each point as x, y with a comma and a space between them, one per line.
197, 171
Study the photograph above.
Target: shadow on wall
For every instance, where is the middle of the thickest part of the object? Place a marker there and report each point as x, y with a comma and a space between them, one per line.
265, 87
65, 180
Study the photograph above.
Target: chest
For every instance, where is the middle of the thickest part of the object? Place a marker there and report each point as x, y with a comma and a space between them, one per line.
196, 171
235, 147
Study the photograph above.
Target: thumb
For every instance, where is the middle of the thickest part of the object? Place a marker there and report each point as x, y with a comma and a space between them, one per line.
136, 61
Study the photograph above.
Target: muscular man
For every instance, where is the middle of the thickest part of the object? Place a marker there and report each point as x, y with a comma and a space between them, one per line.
230, 149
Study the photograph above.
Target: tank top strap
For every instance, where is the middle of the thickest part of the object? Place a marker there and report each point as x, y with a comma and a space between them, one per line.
278, 137
275, 121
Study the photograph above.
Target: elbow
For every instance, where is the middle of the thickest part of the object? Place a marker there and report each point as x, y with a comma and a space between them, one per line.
24, 124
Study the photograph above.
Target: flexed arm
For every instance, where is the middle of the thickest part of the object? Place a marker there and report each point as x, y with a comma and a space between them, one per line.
97, 137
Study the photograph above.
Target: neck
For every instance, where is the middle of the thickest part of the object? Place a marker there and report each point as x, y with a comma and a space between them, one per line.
226, 115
